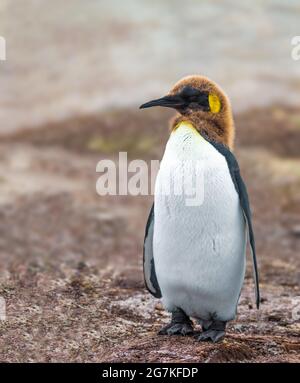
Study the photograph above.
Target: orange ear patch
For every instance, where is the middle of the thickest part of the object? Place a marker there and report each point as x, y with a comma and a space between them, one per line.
214, 103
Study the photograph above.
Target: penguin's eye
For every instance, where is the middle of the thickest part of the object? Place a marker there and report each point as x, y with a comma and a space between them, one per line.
194, 98
188, 92
203, 100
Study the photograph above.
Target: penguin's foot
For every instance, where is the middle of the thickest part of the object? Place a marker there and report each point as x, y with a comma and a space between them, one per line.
213, 332
213, 335
180, 325
205, 324
176, 329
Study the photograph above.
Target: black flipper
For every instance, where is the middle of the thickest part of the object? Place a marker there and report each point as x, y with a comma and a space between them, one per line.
148, 260
244, 200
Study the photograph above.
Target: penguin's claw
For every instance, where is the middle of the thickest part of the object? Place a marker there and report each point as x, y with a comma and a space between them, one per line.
211, 335
177, 329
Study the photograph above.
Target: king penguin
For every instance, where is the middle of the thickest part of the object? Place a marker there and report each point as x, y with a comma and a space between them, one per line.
195, 255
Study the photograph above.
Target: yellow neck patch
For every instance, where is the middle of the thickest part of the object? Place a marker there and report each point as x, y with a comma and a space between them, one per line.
184, 124
189, 125
214, 103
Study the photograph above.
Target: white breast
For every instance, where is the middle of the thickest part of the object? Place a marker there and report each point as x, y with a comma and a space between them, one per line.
199, 250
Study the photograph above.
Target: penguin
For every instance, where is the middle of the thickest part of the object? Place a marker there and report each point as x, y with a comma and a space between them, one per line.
194, 257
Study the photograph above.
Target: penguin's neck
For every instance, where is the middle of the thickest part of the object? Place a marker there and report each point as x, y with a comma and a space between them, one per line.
211, 129
187, 143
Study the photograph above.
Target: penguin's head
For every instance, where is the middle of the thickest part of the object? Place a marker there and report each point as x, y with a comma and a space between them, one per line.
203, 103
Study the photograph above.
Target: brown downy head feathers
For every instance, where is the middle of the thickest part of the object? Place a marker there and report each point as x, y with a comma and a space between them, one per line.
201, 102
215, 121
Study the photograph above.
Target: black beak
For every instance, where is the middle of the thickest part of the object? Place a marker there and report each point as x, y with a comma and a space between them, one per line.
169, 101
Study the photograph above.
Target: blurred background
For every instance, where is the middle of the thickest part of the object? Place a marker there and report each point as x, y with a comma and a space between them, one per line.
71, 261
